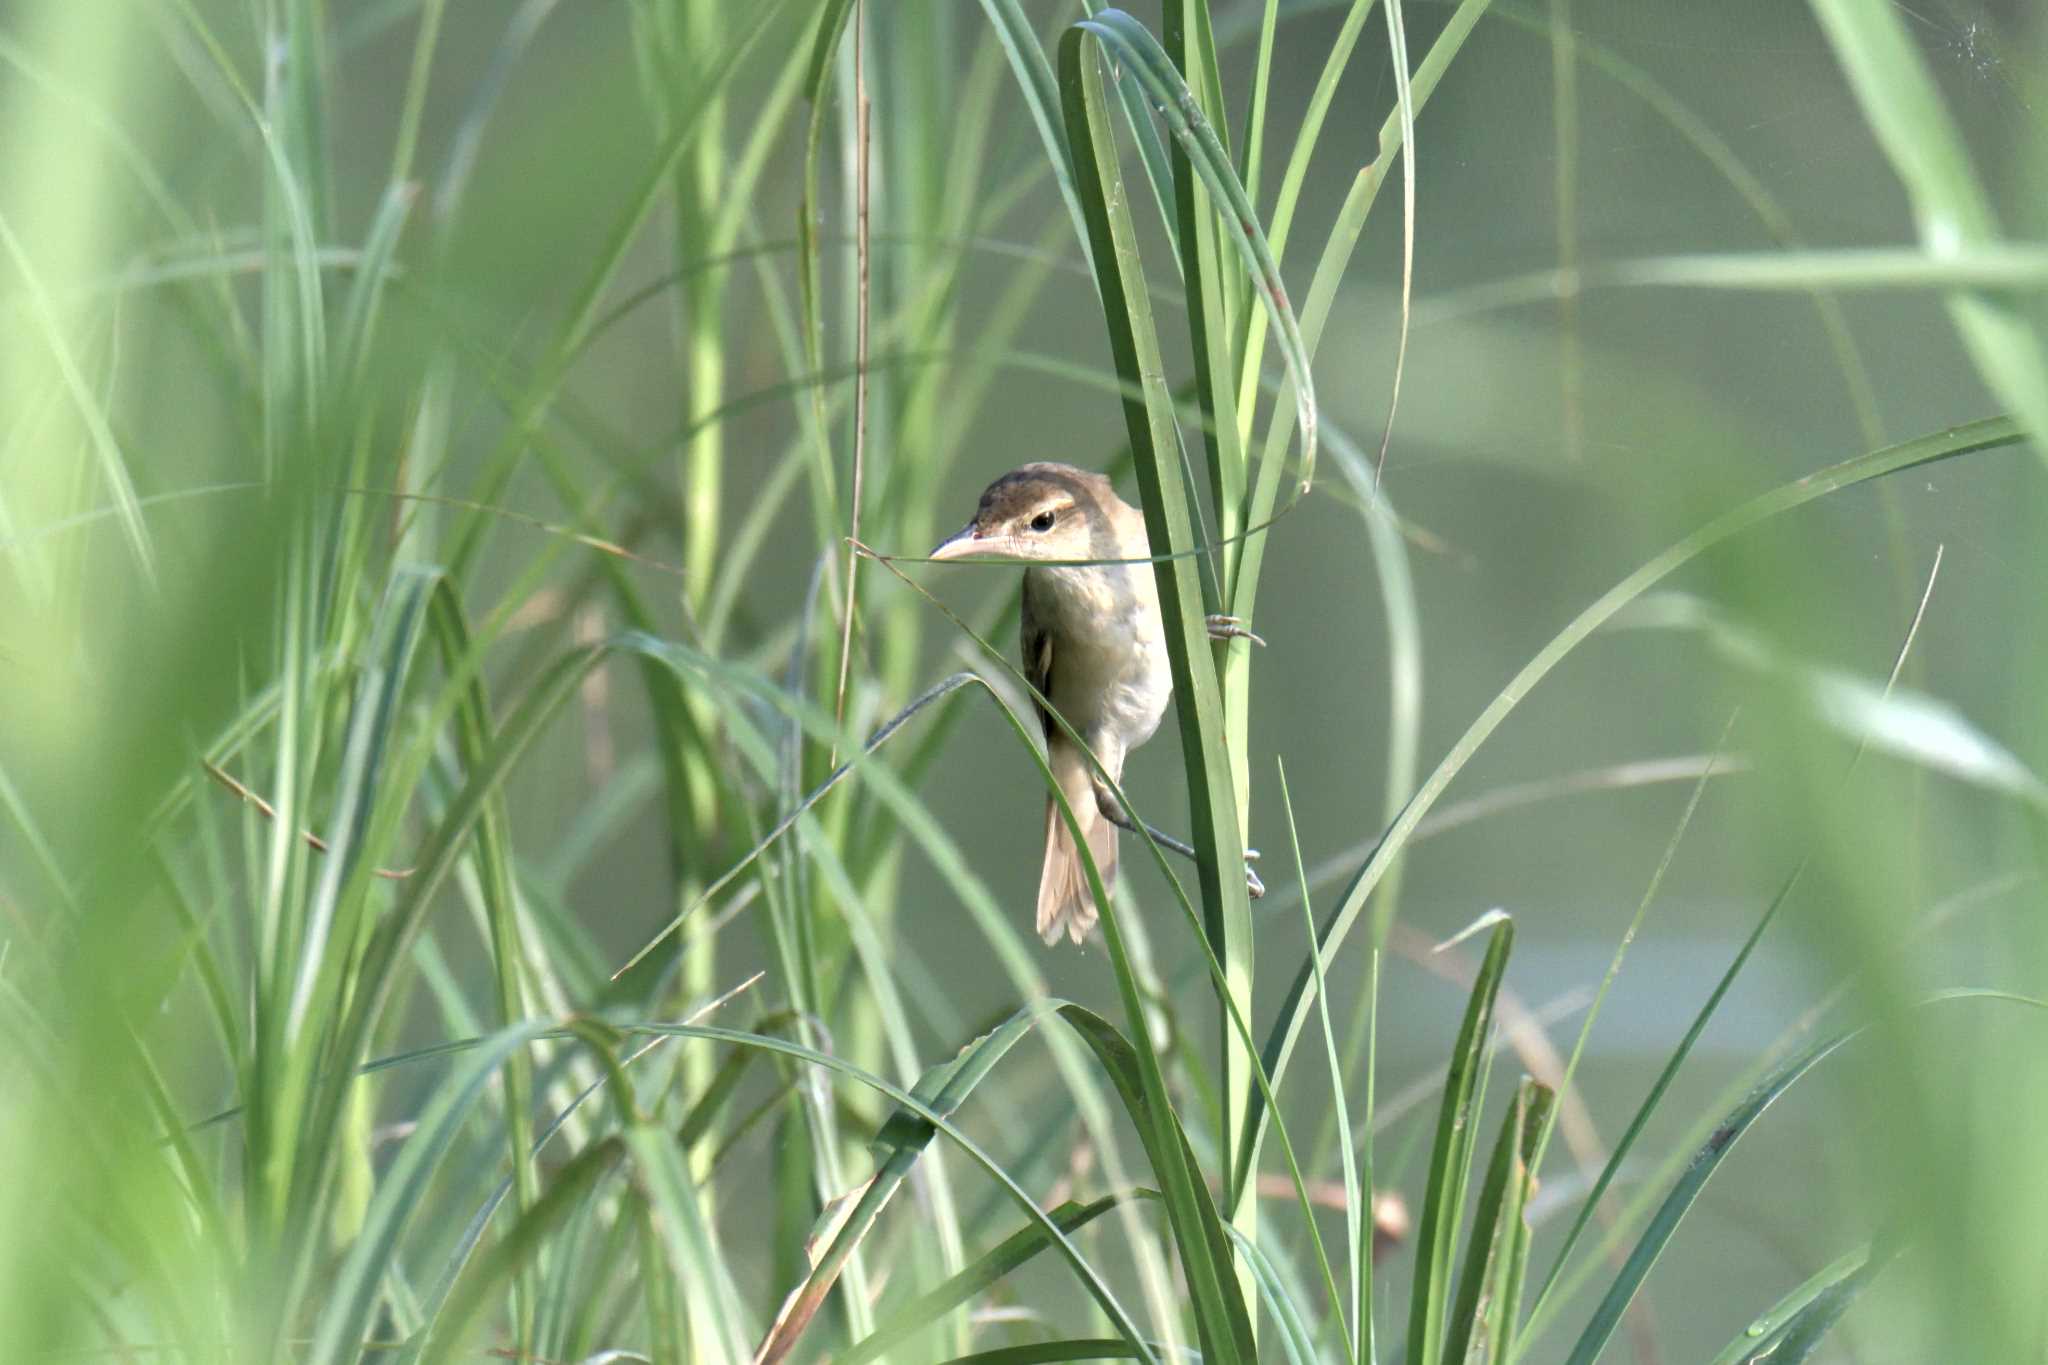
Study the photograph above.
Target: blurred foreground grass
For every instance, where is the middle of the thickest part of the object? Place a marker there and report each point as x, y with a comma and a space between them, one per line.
434, 920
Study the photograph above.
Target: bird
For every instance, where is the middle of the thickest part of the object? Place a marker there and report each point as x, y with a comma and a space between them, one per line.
1093, 645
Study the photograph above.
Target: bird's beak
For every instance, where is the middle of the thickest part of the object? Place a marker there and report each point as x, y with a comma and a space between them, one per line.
966, 543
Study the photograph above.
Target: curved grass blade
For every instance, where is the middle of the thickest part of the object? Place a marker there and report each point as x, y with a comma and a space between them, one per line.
1926, 149
1219, 1307
1080, 1348
902, 1139
1214, 292
1014, 1251
1295, 1336
1803, 1334
1019, 963
1704, 1163
571, 1187
909, 1102
1199, 1231
351, 1298
1989, 434
1762, 1337
1235, 1018
1544, 1304
113, 464
1041, 99
1131, 44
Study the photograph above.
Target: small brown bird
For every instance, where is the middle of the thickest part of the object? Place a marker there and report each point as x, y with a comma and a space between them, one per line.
1093, 644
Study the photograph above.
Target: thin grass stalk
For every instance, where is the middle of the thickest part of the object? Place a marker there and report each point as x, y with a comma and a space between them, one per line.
1357, 1214
1564, 105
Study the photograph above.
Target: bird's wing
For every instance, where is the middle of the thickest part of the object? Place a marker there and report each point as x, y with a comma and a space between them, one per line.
1037, 649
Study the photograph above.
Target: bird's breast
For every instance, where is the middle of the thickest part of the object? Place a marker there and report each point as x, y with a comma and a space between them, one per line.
1110, 670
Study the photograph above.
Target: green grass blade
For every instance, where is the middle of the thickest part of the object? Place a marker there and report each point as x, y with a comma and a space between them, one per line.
567, 1193
1169, 519
1450, 1158
909, 1102
1705, 1162
1169, 523
1212, 295
1905, 109
1764, 1333
924, 1312
1503, 1318
897, 1147
113, 464
1804, 1333
1041, 95
1497, 1225
696, 1257
1038, 1353
1989, 434
1356, 1214
1199, 1230
351, 1294
1627, 1141
1295, 1337
1129, 42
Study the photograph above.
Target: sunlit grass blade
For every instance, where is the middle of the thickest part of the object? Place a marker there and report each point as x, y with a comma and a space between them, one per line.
113, 463
1844, 270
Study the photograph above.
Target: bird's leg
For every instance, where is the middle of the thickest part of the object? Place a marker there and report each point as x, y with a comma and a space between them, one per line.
1114, 812
1231, 628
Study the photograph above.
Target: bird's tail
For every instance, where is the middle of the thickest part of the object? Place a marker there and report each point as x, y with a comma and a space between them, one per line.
1065, 904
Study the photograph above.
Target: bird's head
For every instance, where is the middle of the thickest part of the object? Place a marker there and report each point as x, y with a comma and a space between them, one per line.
1041, 511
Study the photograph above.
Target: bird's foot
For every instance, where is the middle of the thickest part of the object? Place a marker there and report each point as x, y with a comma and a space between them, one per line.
1231, 628
1254, 888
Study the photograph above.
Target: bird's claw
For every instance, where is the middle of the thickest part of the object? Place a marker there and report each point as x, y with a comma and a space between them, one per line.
1255, 888
1223, 627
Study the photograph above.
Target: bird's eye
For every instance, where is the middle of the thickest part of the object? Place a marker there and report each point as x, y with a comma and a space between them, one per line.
1042, 522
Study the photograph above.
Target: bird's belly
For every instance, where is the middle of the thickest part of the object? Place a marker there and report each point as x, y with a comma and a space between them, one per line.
1116, 686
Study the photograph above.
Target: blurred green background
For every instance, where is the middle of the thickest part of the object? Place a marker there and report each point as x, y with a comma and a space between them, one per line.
301, 292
